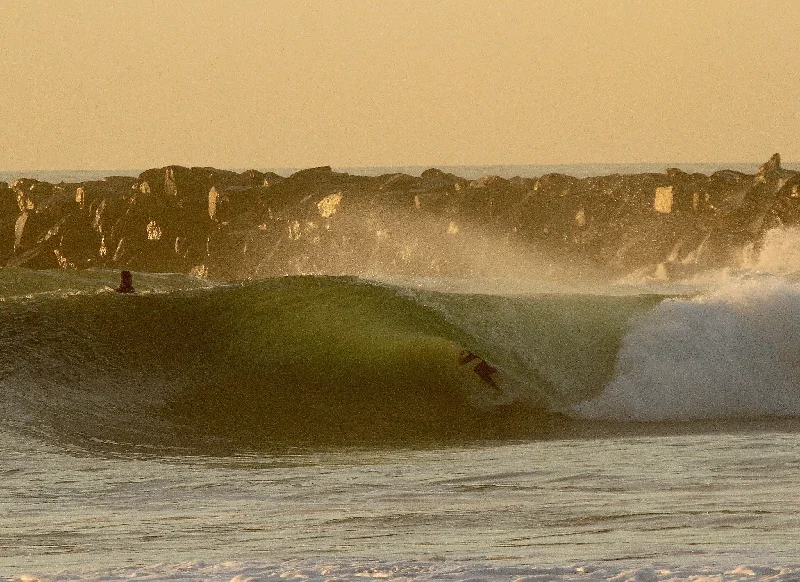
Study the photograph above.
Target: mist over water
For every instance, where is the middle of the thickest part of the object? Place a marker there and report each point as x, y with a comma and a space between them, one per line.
729, 351
779, 254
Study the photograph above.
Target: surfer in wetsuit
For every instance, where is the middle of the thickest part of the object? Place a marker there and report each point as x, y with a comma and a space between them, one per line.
125, 283
483, 369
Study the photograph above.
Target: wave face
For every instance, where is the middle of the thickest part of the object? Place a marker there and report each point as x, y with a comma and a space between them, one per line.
297, 360
329, 360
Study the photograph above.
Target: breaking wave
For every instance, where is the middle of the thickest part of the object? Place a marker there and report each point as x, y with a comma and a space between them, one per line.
299, 360
329, 360
731, 353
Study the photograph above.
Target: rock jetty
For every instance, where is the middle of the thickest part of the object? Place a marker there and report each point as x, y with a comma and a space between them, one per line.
227, 225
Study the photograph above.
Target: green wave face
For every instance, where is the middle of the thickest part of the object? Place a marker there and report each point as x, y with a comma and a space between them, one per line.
300, 360
560, 348
330, 360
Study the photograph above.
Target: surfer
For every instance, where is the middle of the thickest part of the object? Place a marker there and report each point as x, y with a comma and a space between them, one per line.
483, 369
125, 283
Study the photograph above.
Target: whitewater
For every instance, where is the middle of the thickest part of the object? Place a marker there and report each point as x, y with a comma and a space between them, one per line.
320, 427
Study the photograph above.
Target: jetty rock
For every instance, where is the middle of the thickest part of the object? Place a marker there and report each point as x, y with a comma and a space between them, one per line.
232, 225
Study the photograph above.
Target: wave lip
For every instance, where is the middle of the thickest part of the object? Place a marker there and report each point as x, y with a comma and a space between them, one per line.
733, 353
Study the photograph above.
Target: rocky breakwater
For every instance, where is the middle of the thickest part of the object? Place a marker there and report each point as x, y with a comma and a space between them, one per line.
228, 225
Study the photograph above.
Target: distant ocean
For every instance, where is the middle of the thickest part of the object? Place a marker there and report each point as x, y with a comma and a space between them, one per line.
350, 428
470, 172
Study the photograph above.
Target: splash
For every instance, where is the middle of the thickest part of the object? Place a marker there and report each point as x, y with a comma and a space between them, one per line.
733, 353
780, 252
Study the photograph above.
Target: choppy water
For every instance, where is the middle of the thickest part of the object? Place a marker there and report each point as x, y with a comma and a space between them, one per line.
680, 503
330, 427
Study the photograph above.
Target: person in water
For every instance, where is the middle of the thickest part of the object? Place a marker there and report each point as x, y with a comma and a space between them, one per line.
483, 369
125, 283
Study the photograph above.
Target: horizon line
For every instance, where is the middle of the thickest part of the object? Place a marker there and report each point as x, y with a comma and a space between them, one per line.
367, 167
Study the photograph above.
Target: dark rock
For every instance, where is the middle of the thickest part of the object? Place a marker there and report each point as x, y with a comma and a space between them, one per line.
313, 174
230, 225
35, 258
9, 210
226, 203
399, 182
271, 178
772, 166
489, 182
30, 193
433, 179
522, 183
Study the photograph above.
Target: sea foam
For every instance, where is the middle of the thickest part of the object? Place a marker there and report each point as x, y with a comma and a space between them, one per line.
411, 570
779, 253
729, 353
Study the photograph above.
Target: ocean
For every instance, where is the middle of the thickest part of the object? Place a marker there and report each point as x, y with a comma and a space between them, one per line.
342, 428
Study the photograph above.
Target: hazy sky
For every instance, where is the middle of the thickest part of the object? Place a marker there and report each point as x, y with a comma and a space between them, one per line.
140, 83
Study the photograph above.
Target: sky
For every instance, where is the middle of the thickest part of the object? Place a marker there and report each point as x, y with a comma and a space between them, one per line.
140, 83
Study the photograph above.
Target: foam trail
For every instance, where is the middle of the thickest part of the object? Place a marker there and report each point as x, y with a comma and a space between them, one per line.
734, 353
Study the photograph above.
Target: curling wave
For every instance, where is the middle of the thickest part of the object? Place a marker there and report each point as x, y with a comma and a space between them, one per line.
329, 360
300, 359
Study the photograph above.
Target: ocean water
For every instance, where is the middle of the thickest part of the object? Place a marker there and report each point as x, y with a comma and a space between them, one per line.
346, 428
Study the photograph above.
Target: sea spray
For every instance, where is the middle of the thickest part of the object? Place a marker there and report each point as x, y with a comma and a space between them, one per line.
779, 253
731, 353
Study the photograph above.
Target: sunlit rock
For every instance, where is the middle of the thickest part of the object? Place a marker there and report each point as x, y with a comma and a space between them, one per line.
663, 200
329, 205
153, 231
